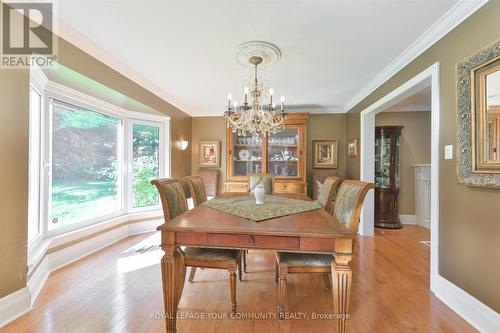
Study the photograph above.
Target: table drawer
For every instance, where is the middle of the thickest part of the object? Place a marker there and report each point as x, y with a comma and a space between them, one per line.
252, 241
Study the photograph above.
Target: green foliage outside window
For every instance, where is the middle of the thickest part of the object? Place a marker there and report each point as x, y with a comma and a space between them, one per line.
145, 165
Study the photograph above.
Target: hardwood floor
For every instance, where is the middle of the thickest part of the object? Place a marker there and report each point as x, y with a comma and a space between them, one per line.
118, 289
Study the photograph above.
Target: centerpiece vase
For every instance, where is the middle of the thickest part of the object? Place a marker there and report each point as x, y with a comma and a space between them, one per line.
259, 192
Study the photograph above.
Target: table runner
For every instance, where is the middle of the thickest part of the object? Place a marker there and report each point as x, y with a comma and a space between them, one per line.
274, 206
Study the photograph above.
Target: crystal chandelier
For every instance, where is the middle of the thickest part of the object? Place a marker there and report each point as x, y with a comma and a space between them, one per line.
255, 117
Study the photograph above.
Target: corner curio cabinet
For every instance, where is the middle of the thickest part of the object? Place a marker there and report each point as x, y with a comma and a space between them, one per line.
282, 154
387, 146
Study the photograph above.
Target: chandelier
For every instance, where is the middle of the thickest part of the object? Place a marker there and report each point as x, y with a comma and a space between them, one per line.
255, 117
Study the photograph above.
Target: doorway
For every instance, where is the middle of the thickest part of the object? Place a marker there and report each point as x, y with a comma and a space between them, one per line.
429, 78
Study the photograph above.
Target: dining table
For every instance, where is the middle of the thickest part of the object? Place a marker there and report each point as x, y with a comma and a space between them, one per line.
313, 231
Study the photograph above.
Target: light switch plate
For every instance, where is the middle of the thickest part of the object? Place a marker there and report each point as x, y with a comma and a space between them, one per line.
448, 152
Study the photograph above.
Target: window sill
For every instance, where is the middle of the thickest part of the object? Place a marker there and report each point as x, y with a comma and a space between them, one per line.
38, 249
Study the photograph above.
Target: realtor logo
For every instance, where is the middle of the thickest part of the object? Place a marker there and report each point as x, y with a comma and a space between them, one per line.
27, 34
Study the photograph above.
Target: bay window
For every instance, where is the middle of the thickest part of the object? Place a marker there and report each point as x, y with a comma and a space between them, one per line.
90, 161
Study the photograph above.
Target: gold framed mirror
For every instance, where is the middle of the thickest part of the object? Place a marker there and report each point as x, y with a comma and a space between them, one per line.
486, 117
478, 118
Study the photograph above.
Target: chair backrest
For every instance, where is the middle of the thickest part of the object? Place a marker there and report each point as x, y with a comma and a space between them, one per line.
172, 195
349, 202
264, 178
318, 176
328, 189
197, 189
211, 181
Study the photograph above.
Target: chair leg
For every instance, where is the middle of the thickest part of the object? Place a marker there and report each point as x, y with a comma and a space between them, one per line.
328, 282
245, 252
283, 271
191, 274
232, 285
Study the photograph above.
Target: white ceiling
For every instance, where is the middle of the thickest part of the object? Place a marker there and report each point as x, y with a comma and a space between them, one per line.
420, 101
330, 49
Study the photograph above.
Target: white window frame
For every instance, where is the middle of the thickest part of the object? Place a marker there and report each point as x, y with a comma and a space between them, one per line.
127, 118
35, 158
161, 157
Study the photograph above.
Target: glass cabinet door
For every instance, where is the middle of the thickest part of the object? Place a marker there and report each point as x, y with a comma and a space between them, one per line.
247, 156
283, 150
383, 162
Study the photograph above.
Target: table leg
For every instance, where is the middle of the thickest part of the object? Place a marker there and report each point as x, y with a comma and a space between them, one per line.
341, 287
173, 271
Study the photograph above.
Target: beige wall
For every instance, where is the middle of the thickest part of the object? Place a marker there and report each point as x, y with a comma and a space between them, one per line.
469, 217
320, 127
208, 129
14, 122
415, 148
326, 127
352, 131
14, 104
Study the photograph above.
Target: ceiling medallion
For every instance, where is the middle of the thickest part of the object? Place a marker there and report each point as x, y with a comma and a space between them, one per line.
256, 117
269, 53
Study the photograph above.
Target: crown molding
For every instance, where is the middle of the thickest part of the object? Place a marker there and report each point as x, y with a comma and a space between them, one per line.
451, 19
66, 32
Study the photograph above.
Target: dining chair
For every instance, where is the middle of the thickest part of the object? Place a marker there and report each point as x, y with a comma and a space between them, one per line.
264, 178
211, 180
197, 189
198, 193
173, 200
327, 193
349, 202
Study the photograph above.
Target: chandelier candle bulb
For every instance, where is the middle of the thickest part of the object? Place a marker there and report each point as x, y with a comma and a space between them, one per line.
229, 101
255, 117
282, 103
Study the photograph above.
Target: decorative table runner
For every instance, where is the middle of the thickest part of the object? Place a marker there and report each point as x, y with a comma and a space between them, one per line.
274, 206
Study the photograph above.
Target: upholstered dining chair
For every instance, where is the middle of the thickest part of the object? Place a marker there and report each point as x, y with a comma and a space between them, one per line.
327, 193
211, 181
173, 200
264, 178
197, 189
350, 197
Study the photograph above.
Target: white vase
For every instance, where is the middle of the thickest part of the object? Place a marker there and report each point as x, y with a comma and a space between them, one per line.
259, 191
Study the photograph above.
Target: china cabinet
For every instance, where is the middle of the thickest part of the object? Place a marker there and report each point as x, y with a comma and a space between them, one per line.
387, 143
282, 154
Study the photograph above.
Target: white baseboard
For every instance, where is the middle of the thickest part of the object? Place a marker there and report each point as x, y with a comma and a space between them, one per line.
38, 278
19, 302
483, 318
407, 219
14, 305
144, 226
79, 250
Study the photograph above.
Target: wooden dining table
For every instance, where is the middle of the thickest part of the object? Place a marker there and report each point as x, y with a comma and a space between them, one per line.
313, 231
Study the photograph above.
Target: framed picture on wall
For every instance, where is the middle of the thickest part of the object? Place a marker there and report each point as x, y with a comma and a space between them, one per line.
352, 148
325, 154
209, 154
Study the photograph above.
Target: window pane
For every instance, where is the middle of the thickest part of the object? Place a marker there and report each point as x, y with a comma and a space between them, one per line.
84, 165
34, 165
145, 164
